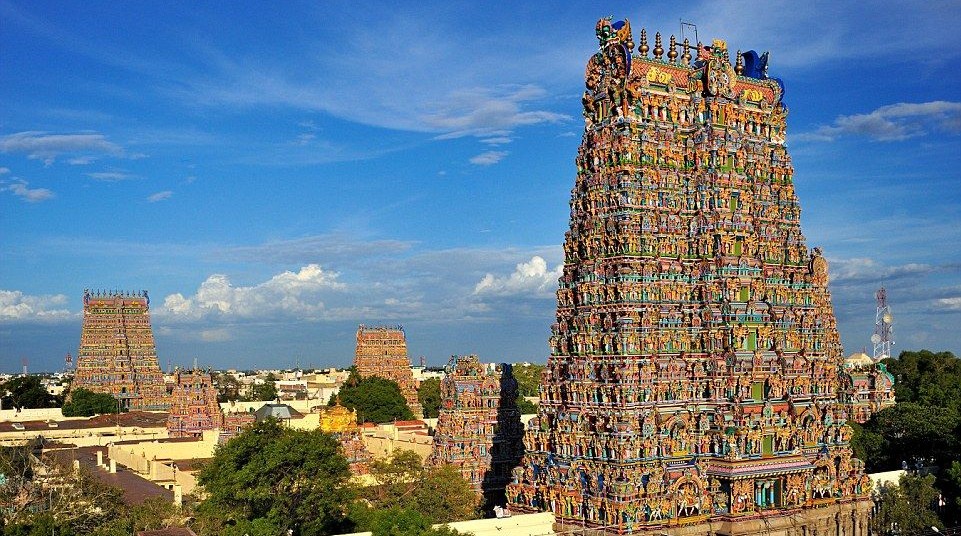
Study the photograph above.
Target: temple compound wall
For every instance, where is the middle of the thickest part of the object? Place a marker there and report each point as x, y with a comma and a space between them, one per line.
695, 370
193, 405
382, 351
117, 352
479, 427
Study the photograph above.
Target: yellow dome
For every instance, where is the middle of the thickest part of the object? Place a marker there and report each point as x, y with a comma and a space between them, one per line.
858, 359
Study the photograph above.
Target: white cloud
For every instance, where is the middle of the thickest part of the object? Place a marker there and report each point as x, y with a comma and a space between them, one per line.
529, 278
20, 189
82, 160
216, 335
15, 306
488, 113
110, 176
159, 196
488, 158
47, 147
288, 293
950, 304
861, 270
4, 170
893, 122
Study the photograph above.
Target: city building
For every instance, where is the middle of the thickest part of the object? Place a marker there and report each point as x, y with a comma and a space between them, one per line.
117, 353
193, 404
382, 351
479, 427
693, 383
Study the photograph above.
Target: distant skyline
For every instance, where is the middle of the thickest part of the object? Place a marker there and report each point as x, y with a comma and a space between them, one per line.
276, 175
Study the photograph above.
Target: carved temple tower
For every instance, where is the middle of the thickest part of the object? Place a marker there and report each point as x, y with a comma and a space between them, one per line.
479, 427
117, 352
382, 351
693, 382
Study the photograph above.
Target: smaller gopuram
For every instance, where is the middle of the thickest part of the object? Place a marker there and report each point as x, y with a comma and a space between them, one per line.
868, 387
193, 405
342, 423
479, 427
117, 352
382, 351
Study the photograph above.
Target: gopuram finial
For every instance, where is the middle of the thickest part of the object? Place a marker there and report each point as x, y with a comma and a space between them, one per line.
643, 49
686, 57
672, 50
739, 65
658, 48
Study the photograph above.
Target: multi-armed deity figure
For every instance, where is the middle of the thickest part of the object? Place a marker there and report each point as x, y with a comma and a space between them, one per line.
695, 363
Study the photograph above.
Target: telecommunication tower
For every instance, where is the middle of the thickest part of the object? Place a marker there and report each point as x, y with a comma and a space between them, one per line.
883, 337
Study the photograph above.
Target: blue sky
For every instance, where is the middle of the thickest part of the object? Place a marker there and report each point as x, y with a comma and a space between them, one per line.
275, 174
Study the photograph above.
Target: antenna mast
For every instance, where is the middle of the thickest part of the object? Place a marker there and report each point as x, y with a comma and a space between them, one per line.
883, 337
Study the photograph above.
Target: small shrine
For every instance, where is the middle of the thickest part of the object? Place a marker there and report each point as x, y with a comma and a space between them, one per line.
342, 423
479, 427
868, 387
193, 404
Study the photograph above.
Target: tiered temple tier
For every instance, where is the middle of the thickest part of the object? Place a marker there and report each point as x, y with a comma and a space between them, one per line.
117, 353
695, 361
382, 351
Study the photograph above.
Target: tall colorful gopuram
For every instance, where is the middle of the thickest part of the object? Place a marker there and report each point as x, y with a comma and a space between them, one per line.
193, 405
479, 427
382, 351
117, 352
693, 382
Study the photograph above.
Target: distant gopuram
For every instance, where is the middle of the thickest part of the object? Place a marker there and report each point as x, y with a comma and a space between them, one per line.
117, 352
382, 351
693, 381
193, 405
479, 427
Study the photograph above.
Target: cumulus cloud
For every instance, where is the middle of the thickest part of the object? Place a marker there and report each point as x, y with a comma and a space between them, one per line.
159, 196
893, 122
531, 278
4, 170
15, 306
21, 189
47, 147
294, 294
488, 158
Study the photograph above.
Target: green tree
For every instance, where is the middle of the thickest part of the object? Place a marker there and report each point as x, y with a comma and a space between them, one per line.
927, 378
441, 494
27, 392
266, 391
272, 478
84, 403
525, 406
429, 397
910, 431
228, 387
376, 399
907, 507
528, 377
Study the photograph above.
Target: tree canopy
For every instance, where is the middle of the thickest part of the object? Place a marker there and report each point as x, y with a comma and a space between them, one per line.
429, 397
26, 392
440, 494
266, 391
84, 403
907, 507
528, 377
270, 479
376, 399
